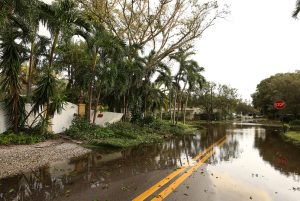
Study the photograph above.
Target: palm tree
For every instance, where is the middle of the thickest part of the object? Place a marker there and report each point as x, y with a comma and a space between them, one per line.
28, 22
12, 57
105, 52
61, 17
188, 74
195, 81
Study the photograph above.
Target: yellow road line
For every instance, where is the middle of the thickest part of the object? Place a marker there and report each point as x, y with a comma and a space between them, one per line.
155, 187
210, 147
181, 179
165, 180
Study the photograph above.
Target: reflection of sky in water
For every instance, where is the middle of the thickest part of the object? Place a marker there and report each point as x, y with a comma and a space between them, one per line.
249, 167
246, 156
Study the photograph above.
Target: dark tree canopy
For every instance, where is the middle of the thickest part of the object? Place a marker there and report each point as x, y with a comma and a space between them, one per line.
284, 86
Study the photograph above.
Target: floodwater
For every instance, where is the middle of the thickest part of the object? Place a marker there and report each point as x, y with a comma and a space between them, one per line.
254, 163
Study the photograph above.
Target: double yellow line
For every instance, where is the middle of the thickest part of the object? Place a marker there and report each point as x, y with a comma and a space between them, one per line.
208, 151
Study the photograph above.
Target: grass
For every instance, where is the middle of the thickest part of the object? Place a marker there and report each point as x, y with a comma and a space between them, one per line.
125, 134
293, 136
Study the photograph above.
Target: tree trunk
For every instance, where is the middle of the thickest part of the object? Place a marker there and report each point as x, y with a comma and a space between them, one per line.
180, 101
170, 106
178, 107
97, 102
124, 105
184, 113
53, 50
91, 89
30, 71
145, 106
174, 117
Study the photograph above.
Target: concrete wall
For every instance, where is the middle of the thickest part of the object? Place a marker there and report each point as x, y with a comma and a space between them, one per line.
60, 122
63, 121
107, 118
3, 119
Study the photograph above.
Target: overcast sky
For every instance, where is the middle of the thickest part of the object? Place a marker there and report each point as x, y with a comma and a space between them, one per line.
258, 39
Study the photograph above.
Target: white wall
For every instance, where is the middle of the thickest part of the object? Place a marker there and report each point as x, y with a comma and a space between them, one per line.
62, 121
107, 118
3, 119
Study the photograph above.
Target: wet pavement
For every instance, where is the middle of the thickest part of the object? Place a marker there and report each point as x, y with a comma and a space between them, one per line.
252, 163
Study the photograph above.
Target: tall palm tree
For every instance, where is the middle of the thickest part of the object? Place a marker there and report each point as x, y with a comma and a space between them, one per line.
28, 22
189, 74
59, 17
12, 57
105, 52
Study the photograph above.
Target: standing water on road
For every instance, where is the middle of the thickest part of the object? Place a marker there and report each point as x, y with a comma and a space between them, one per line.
254, 163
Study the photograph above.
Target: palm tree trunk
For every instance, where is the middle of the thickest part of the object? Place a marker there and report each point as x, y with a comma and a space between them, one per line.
184, 113
174, 117
30, 71
180, 102
170, 106
91, 89
145, 106
55, 41
97, 102
178, 107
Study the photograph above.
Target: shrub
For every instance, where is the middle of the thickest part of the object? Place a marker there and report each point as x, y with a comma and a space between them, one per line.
148, 119
21, 138
286, 127
295, 122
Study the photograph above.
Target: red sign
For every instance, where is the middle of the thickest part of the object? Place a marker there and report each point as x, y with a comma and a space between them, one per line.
279, 104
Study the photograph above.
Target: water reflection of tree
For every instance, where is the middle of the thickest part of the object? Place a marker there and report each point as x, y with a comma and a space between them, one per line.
283, 156
230, 149
36, 185
90, 171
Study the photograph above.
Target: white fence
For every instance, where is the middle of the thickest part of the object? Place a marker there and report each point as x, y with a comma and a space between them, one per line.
60, 122
3, 119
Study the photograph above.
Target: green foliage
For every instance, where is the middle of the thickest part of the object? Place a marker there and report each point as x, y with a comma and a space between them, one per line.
286, 128
125, 134
10, 67
295, 122
245, 108
293, 136
20, 138
148, 119
284, 86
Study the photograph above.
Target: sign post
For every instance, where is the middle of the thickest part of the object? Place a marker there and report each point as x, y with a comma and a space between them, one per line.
280, 104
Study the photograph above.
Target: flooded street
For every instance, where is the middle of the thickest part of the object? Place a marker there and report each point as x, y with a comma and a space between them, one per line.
252, 163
